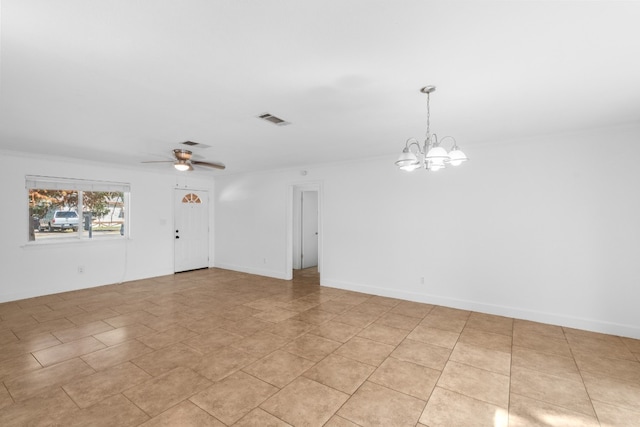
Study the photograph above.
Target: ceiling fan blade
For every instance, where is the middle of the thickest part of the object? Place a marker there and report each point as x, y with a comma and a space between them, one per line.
209, 164
158, 161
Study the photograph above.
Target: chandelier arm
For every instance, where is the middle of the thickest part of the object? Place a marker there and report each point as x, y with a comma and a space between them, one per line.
455, 143
413, 141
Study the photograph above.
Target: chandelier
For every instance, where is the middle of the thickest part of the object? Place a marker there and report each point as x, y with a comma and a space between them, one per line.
429, 155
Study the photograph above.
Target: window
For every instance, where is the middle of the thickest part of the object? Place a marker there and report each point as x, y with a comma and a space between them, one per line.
65, 209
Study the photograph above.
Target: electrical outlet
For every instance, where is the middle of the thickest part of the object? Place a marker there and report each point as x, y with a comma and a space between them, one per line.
422, 280
264, 260
81, 269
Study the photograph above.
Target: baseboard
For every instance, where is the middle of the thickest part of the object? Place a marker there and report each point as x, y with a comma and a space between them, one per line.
593, 325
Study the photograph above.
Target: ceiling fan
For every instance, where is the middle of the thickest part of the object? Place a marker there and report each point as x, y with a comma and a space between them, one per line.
183, 161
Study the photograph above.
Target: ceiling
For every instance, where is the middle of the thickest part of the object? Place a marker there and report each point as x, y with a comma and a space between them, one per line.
123, 81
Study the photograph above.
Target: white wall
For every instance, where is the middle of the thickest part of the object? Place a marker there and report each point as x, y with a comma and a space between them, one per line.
28, 270
543, 229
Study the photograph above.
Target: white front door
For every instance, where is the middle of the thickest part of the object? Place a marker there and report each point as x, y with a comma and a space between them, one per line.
191, 230
309, 229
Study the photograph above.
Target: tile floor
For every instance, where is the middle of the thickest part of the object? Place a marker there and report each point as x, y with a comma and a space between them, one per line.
215, 348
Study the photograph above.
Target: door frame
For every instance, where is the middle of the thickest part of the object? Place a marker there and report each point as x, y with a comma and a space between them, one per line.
294, 220
209, 225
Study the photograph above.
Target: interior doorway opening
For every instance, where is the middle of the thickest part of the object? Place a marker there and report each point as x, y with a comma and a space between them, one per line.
306, 229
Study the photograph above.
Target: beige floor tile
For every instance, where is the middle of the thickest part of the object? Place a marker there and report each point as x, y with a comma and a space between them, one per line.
169, 358
260, 418
483, 358
68, 351
490, 323
260, 344
238, 312
82, 331
113, 411
335, 331
6, 336
115, 355
35, 382
336, 307
340, 373
206, 325
45, 316
485, 339
406, 377
93, 316
28, 345
551, 389
559, 366
219, 364
476, 383
11, 368
5, 397
428, 355
541, 343
212, 341
412, 309
625, 394
337, 421
449, 409
305, 403
384, 334
275, 315
167, 337
616, 368
365, 351
371, 308
375, 405
162, 392
598, 345
279, 368
450, 312
136, 317
48, 408
525, 412
356, 319
632, 344
290, 328
125, 333
445, 323
434, 336
615, 416
528, 327
314, 316
234, 397
312, 347
398, 321
385, 301
246, 327
91, 389
26, 332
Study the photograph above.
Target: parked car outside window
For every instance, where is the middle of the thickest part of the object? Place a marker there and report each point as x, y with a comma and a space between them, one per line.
59, 220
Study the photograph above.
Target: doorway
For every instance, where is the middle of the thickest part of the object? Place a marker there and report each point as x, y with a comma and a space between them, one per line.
191, 230
306, 227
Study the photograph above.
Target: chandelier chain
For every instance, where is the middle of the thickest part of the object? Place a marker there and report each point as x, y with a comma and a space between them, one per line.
428, 118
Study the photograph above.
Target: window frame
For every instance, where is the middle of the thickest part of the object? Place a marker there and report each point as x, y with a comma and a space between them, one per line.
79, 186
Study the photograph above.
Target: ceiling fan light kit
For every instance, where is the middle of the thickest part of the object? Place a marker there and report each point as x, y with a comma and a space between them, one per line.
183, 161
429, 155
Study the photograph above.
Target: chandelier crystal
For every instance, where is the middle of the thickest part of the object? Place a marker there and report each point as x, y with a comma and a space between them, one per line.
429, 155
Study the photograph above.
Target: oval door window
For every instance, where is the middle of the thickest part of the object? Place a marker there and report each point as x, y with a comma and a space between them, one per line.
191, 198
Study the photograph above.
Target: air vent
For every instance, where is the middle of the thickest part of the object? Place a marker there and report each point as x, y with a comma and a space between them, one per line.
273, 119
193, 144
